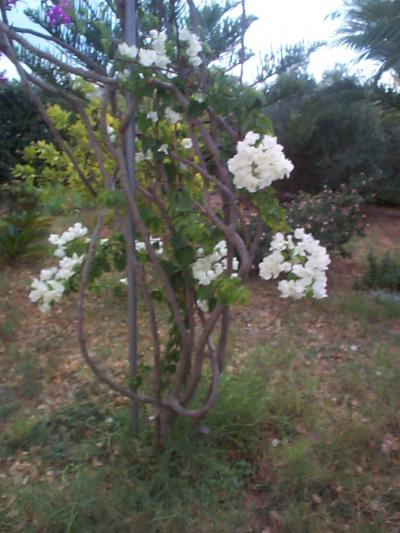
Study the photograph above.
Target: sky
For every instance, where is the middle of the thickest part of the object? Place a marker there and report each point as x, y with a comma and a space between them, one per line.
288, 21
282, 22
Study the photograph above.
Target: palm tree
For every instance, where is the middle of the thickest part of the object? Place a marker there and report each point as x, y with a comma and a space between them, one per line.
372, 27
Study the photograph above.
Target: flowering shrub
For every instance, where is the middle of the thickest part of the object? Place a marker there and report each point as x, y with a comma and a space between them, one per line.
176, 245
58, 14
332, 217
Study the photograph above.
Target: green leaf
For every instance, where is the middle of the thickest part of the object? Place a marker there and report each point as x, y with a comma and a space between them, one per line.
230, 291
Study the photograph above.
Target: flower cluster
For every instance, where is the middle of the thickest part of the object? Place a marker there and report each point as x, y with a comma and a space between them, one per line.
57, 14
206, 268
194, 46
303, 259
255, 167
187, 143
156, 242
156, 55
51, 284
60, 241
172, 116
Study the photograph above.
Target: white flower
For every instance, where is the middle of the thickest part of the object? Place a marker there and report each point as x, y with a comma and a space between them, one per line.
124, 281
164, 149
152, 115
49, 288
187, 143
159, 40
172, 116
206, 268
194, 46
39, 288
111, 133
251, 138
256, 167
67, 266
47, 273
56, 240
156, 242
270, 267
140, 156
203, 305
302, 256
60, 252
124, 75
128, 51
147, 57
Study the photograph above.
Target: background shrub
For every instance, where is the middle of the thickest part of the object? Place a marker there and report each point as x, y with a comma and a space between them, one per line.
333, 217
382, 273
20, 124
21, 236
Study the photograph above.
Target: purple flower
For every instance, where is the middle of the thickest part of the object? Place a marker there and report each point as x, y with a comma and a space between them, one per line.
57, 15
10, 4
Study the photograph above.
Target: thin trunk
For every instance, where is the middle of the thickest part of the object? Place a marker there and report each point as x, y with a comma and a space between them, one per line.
130, 134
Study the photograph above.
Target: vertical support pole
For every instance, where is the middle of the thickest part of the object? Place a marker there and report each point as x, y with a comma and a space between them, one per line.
130, 38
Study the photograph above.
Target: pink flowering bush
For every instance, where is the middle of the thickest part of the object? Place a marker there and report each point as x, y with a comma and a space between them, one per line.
333, 217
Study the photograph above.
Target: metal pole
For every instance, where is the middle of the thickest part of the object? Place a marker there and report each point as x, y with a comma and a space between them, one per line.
130, 38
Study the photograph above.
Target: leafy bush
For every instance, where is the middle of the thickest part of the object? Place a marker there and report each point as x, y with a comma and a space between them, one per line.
331, 130
21, 235
19, 196
382, 273
20, 124
332, 217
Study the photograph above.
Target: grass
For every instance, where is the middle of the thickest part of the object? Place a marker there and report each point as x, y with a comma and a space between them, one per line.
314, 455
369, 307
305, 435
87, 474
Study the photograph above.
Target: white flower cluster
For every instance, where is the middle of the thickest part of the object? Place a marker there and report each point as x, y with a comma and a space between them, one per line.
50, 285
148, 57
187, 143
172, 116
60, 241
152, 115
256, 167
194, 46
140, 156
203, 305
206, 268
156, 242
303, 258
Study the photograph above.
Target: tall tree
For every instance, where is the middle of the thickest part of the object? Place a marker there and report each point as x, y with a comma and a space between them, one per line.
372, 27
20, 124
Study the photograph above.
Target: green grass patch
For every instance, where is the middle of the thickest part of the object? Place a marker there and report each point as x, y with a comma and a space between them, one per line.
368, 307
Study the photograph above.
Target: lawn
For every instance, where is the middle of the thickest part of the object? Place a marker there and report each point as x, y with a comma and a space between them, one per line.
305, 435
